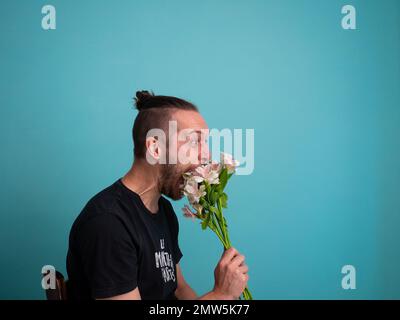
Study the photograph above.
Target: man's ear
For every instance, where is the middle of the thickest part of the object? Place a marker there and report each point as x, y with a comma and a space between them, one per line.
156, 147
152, 150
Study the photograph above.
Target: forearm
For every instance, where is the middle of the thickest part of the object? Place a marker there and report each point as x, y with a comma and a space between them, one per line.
185, 293
212, 295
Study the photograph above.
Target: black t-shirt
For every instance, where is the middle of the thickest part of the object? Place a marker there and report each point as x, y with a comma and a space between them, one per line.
116, 244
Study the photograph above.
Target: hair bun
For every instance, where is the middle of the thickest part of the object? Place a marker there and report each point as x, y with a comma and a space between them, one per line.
142, 97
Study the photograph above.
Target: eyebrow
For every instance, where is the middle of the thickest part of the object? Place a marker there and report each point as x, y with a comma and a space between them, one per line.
199, 132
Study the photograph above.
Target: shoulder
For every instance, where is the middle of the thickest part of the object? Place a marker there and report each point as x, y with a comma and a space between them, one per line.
103, 201
100, 214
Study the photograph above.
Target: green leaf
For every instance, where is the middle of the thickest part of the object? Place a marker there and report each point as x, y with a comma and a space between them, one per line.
223, 178
206, 221
224, 200
213, 209
214, 197
203, 202
208, 190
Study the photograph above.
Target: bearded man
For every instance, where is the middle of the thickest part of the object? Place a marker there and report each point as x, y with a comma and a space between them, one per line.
124, 243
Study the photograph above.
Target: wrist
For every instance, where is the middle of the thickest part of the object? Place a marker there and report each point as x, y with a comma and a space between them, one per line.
218, 295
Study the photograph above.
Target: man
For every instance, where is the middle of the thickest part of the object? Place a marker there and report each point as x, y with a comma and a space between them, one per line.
124, 243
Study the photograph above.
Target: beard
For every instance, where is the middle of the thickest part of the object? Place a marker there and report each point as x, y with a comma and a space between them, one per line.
171, 181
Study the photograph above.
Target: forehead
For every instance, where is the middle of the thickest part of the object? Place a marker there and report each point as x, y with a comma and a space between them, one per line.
188, 119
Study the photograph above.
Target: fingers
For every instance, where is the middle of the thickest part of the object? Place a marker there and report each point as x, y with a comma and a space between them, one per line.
229, 255
237, 260
243, 268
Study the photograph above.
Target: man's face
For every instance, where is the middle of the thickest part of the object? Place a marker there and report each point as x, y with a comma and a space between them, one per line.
190, 146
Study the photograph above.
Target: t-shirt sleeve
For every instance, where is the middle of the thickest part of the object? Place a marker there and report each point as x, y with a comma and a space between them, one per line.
109, 256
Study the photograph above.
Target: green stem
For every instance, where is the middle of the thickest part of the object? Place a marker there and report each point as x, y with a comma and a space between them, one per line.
220, 229
227, 233
224, 229
214, 228
246, 293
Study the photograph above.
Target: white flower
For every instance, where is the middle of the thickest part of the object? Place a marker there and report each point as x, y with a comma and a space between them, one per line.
193, 191
228, 162
208, 172
216, 166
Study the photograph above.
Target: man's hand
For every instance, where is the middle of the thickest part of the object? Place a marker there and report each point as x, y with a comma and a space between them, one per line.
230, 275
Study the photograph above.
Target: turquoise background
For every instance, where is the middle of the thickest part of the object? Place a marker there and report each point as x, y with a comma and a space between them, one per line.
324, 103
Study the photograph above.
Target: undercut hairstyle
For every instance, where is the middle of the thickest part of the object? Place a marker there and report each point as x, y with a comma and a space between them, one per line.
154, 112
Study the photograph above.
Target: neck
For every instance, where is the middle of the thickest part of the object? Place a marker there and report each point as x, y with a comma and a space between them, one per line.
142, 178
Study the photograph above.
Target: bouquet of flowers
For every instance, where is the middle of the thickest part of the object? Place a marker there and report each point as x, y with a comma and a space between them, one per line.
204, 188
